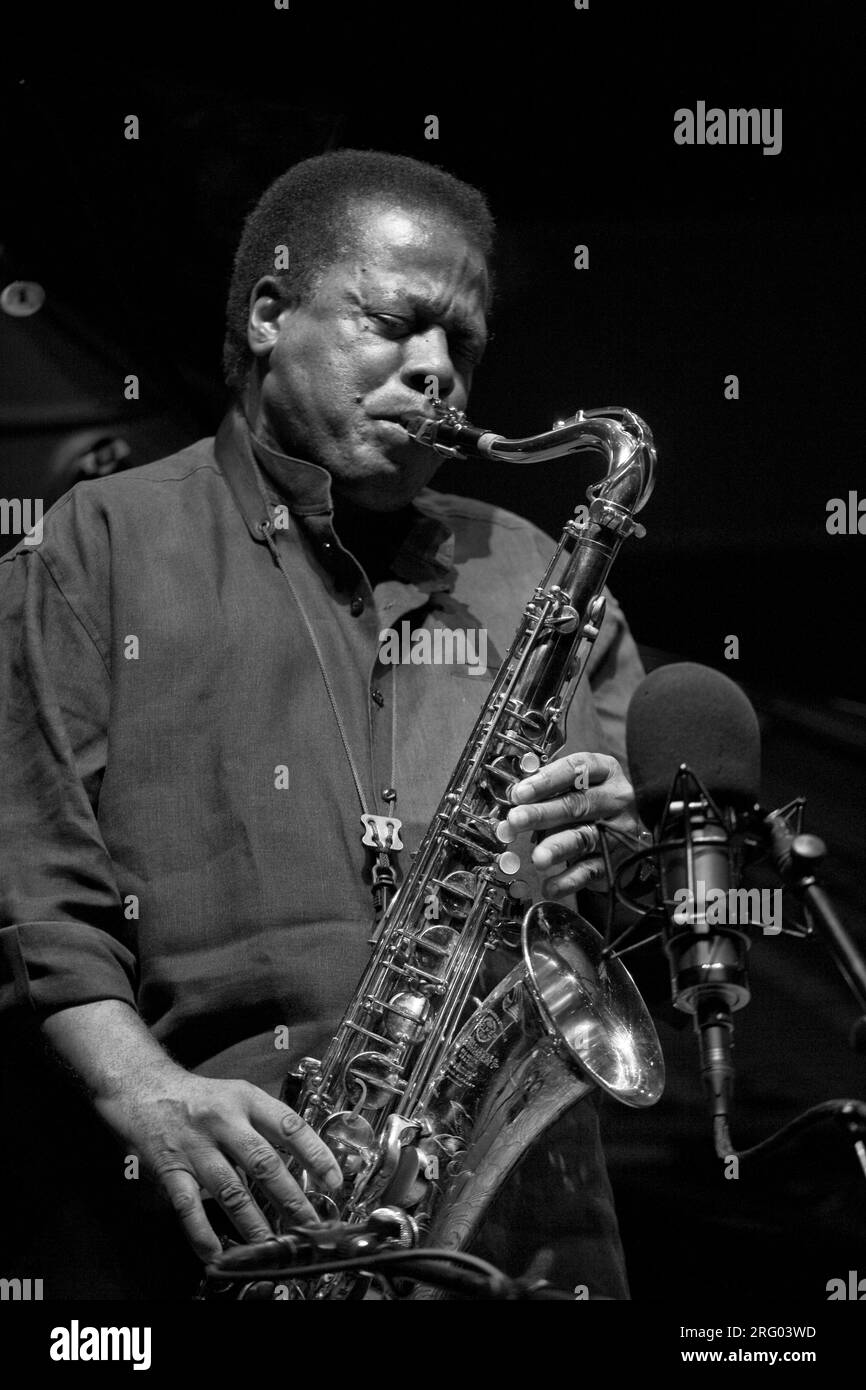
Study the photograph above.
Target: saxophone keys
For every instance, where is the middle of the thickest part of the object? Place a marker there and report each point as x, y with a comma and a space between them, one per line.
504, 833
407, 1017
396, 1225
310, 1070
565, 619
351, 1140
508, 863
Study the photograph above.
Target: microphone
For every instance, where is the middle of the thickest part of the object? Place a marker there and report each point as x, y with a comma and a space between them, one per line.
694, 753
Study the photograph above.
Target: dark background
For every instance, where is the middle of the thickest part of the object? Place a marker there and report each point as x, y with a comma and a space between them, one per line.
703, 262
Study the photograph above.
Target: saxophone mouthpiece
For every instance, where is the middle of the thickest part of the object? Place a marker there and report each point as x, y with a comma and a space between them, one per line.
423, 428
450, 433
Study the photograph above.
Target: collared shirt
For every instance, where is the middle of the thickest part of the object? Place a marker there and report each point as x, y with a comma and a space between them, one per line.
193, 715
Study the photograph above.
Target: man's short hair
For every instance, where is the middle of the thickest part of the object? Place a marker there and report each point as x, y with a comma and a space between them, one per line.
306, 210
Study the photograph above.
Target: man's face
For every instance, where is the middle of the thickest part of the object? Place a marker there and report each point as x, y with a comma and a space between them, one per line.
346, 367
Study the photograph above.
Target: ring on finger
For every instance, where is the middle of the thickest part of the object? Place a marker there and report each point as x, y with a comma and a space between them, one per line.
589, 838
587, 871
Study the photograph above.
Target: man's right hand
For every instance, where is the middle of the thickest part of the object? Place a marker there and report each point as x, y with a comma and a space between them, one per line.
190, 1132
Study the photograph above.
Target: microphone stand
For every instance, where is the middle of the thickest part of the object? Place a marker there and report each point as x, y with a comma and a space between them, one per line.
798, 859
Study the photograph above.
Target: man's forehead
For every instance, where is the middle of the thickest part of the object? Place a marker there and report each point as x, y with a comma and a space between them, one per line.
394, 241
395, 227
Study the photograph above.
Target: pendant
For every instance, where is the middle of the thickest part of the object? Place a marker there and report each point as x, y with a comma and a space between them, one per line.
382, 835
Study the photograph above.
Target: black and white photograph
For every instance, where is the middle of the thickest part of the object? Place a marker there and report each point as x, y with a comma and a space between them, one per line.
432, 711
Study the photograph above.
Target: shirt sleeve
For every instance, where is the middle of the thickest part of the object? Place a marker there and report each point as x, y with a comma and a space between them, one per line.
63, 937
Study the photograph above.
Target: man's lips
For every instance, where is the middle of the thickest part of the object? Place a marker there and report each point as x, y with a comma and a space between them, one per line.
407, 419
392, 432
401, 431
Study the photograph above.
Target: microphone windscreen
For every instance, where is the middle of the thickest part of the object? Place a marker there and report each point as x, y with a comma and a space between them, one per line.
686, 713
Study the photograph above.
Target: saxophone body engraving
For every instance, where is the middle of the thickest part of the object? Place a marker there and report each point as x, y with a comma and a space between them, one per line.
437, 1081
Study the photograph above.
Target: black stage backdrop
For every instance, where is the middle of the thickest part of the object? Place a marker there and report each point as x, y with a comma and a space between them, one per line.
704, 263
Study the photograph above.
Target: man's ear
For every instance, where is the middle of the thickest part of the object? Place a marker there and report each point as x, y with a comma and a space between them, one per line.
268, 303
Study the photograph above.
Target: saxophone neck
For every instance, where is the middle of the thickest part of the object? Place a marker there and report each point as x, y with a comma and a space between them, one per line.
620, 436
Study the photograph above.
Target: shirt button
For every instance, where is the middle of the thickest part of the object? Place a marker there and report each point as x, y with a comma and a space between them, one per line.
377, 697
356, 607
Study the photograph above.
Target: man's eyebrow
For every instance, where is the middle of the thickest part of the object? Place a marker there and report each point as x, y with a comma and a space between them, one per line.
466, 325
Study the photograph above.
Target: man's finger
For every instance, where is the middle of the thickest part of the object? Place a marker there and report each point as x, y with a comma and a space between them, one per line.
574, 806
571, 880
562, 775
222, 1183
286, 1130
181, 1188
578, 842
263, 1165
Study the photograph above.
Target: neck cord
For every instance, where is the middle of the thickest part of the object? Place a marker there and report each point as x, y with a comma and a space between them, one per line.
381, 832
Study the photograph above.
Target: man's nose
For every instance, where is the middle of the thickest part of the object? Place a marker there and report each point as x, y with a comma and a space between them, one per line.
427, 356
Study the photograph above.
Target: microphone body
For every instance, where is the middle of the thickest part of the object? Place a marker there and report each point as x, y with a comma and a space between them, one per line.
706, 951
694, 752
694, 858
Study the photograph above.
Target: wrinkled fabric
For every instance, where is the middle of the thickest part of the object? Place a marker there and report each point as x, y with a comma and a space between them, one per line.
189, 674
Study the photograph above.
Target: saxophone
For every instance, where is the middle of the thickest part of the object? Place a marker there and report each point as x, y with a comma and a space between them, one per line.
427, 1095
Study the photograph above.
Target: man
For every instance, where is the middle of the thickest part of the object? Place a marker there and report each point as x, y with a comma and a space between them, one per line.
196, 716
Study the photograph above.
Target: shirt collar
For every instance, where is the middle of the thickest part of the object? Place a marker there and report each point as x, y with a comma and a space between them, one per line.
304, 487
263, 478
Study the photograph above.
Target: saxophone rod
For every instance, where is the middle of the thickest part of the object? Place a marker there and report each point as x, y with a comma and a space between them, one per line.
451, 434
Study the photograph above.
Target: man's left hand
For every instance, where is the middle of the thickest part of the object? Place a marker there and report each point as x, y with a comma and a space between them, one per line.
563, 804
